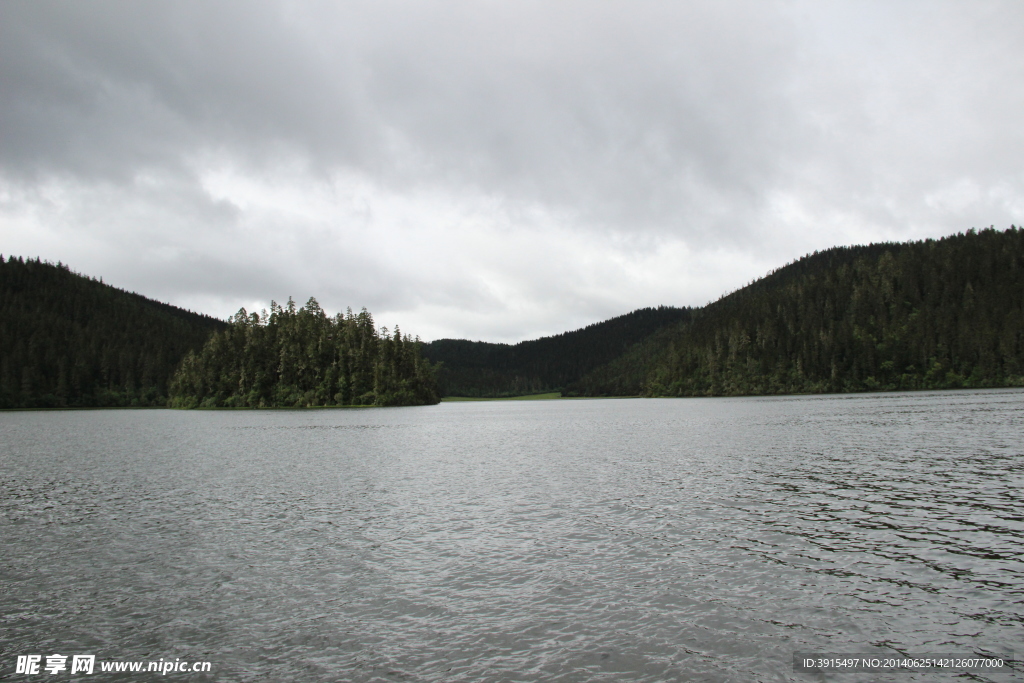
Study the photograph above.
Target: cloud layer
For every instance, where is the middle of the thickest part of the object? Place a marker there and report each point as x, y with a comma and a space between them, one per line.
496, 170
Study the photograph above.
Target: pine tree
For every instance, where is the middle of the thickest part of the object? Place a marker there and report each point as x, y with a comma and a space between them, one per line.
301, 357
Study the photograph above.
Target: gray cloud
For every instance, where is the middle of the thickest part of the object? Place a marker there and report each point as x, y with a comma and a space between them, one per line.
496, 170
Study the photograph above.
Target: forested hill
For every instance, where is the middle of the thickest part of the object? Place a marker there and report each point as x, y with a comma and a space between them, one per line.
70, 340
478, 369
923, 315
67, 340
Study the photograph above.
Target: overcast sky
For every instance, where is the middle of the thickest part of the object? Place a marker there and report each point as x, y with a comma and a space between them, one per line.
496, 170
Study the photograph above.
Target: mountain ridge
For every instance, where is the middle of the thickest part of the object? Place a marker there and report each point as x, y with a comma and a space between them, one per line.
485, 369
70, 340
884, 313
928, 314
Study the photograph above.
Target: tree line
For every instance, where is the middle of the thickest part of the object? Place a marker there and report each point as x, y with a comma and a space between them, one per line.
67, 340
71, 341
933, 314
302, 357
484, 369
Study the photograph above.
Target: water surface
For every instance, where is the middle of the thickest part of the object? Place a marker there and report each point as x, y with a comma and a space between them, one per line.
591, 540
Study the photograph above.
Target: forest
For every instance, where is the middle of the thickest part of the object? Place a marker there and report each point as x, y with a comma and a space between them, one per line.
482, 369
302, 357
71, 341
67, 340
933, 314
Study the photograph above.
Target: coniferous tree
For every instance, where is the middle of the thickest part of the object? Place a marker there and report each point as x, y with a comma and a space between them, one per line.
302, 357
934, 314
547, 364
67, 340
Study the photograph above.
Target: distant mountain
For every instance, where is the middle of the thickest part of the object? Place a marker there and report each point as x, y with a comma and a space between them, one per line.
70, 340
933, 314
921, 315
483, 369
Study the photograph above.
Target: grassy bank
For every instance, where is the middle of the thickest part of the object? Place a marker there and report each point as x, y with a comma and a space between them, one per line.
529, 397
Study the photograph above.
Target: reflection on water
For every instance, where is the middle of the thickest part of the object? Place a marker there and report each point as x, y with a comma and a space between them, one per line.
648, 540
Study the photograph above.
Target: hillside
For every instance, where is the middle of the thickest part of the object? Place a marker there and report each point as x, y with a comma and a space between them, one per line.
923, 315
483, 369
70, 340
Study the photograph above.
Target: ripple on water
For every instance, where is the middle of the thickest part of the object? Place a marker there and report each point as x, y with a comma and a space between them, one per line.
695, 539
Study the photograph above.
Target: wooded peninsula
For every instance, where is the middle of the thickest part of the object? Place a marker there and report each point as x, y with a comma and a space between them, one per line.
301, 357
932, 314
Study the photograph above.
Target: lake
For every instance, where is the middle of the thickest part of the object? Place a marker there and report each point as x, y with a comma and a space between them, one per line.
572, 540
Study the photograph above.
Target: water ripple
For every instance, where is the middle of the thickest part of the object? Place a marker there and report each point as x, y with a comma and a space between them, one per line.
696, 539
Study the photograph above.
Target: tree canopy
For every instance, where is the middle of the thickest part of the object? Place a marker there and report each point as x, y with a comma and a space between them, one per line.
303, 357
922, 315
933, 314
483, 369
67, 340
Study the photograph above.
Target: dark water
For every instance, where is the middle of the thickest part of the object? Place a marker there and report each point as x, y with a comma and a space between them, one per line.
641, 540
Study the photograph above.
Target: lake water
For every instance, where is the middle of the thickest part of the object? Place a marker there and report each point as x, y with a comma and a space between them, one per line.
588, 540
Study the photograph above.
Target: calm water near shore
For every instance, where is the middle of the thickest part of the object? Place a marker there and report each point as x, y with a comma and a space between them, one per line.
590, 540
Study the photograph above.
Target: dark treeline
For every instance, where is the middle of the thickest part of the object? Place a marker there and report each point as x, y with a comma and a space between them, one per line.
70, 340
922, 315
303, 357
482, 369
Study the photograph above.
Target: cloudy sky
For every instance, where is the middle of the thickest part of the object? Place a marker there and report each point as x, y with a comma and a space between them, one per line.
491, 169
